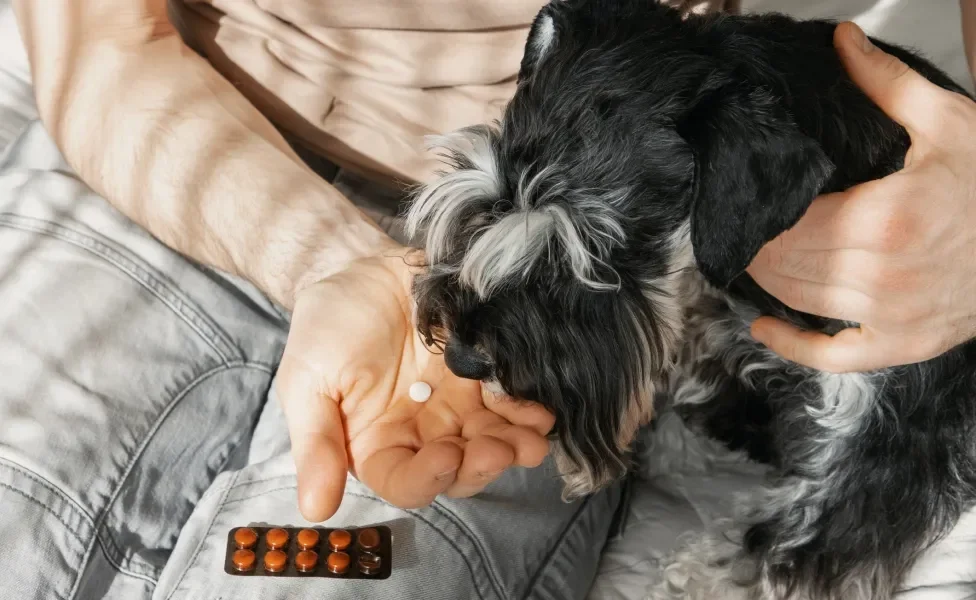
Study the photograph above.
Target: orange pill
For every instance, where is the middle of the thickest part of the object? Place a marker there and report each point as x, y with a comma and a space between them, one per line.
275, 561
306, 560
369, 539
243, 560
339, 540
245, 538
276, 538
338, 562
307, 539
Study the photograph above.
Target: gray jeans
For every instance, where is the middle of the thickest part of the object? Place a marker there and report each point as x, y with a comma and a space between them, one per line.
138, 424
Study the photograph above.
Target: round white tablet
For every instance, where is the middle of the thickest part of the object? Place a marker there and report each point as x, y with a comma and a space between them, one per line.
420, 391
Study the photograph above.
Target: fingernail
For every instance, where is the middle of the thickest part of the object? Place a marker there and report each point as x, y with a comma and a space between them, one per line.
446, 475
862, 41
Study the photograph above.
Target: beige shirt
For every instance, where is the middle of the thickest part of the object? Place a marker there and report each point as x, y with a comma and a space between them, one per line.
363, 81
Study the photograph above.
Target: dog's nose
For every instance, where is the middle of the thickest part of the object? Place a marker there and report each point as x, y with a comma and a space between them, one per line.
464, 361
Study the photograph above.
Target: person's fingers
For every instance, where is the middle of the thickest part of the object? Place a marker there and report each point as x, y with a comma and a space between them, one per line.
449, 405
529, 446
820, 299
485, 459
520, 412
901, 92
880, 215
850, 350
411, 479
317, 441
837, 221
852, 269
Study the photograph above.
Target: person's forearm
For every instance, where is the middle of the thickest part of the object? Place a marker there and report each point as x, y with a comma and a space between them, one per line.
968, 8
170, 143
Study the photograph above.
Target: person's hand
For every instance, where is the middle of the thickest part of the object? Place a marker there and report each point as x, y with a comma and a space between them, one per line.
351, 355
896, 255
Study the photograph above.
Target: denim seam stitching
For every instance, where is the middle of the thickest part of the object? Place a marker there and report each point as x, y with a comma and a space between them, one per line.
214, 337
258, 495
47, 508
203, 538
534, 581
115, 544
49, 485
83, 514
250, 482
113, 560
479, 547
54, 514
447, 538
134, 459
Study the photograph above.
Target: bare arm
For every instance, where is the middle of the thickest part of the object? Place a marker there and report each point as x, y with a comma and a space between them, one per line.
169, 142
968, 8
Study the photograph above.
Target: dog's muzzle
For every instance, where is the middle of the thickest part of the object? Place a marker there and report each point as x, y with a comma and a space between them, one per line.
466, 362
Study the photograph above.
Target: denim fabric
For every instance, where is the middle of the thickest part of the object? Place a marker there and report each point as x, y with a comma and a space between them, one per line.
136, 429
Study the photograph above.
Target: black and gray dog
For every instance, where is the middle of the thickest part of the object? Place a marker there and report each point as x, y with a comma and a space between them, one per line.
588, 253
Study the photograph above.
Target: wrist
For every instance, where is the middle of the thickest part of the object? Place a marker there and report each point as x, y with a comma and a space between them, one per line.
312, 241
359, 240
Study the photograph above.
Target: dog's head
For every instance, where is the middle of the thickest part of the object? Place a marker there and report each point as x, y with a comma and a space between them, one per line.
628, 155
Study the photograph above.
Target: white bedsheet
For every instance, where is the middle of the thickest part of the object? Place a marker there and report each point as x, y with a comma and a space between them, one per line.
667, 507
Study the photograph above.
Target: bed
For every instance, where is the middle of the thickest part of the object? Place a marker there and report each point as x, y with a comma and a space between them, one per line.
663, 508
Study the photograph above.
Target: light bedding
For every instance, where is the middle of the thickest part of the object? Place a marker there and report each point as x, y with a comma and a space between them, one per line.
684, 501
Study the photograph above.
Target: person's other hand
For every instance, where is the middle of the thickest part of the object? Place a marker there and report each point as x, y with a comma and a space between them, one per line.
896, 255
352, 353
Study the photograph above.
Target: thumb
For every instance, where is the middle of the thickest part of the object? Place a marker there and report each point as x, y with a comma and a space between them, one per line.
318, 442
901, 92
853, 349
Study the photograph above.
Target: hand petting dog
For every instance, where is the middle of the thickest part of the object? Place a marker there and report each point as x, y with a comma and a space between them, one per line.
896, 255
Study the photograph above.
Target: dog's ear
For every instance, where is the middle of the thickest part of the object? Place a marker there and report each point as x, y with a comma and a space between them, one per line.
542, 37
756, 175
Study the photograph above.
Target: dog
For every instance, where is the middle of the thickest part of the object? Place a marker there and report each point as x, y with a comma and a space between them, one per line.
588, 252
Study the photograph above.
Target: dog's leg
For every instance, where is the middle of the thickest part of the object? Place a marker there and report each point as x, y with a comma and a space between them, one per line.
714, 404
859, 497
705, 419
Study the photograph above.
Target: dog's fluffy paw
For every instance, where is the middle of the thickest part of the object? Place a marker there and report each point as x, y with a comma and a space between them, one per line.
669, 447
707, 568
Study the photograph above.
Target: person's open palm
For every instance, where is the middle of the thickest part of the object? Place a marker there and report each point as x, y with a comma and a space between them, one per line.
352, 354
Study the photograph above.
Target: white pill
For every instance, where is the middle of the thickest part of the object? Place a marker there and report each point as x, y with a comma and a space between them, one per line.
420, 391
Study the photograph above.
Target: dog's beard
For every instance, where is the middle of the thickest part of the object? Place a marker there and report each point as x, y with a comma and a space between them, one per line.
596, 373
495, 228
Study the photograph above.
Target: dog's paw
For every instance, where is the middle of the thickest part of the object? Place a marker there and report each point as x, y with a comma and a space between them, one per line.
669, 447
710, 567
